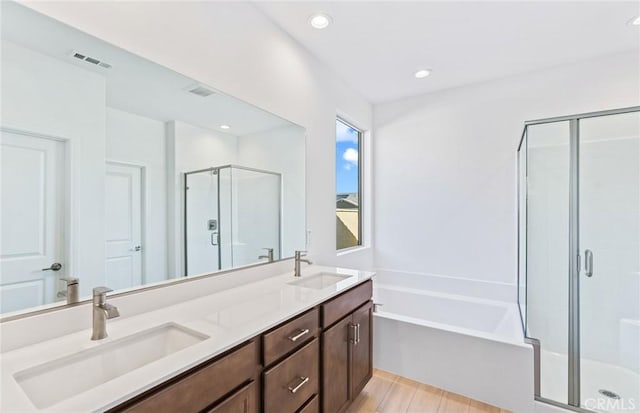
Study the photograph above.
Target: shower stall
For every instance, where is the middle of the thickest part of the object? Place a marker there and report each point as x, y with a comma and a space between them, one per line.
232, 217
579, 258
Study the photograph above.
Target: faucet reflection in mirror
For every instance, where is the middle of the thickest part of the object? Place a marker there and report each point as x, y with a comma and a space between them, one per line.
268, 256
72, 292
117, 208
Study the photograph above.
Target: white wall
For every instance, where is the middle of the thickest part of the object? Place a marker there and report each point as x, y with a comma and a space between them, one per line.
138, 140
198, 148
281, 150
235, 48
46, 96
445, 165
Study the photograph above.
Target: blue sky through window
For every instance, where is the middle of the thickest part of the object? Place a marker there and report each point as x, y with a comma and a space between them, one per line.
346, 158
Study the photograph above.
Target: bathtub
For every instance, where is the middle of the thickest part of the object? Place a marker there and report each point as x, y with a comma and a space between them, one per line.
463, 344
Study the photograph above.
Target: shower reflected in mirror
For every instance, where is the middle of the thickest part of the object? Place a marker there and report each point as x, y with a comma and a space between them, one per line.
232, 216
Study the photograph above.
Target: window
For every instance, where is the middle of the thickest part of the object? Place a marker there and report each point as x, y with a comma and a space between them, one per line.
348, 186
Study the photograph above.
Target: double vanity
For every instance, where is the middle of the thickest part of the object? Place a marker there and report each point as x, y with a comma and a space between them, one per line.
170, 181
275, 345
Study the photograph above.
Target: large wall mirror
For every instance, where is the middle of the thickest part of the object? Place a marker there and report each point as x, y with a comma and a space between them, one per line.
121, 172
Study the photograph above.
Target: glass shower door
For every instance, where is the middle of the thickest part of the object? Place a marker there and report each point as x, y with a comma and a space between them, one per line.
609, 223
547, 218
256, 197
202, 222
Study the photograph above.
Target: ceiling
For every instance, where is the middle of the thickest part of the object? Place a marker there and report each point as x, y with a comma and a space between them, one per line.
134, 84
376, 47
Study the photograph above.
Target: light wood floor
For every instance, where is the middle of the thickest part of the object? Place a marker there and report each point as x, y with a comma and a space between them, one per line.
388, 393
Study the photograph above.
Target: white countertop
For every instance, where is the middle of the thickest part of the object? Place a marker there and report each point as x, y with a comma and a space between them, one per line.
228, 318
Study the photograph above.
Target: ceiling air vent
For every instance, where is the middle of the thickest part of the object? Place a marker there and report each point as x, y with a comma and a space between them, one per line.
200, 90
89, 59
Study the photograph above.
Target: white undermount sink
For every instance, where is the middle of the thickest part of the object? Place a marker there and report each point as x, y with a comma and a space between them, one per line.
319, 281
57, 380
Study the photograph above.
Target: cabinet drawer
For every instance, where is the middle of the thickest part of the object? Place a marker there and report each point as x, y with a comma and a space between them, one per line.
293, 381
204, 386
344, 304
313, 406
289, 336
242, 401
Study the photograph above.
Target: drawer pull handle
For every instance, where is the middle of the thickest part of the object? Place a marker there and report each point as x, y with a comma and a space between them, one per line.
303, 381
299, 335
358, 333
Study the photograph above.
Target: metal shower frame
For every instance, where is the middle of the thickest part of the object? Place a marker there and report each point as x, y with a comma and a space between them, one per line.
574, 256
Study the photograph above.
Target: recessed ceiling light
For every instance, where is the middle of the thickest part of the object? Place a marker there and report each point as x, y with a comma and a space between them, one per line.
635, 21
420, 74
225, 127
320, 20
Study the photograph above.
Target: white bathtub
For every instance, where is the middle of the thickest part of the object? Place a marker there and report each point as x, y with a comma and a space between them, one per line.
466, 345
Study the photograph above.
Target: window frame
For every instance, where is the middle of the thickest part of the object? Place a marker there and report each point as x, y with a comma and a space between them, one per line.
361, 133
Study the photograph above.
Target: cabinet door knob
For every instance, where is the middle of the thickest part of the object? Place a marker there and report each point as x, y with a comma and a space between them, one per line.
303, 381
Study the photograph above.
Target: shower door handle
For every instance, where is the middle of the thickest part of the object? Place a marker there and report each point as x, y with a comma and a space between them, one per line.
588, 263
214, 239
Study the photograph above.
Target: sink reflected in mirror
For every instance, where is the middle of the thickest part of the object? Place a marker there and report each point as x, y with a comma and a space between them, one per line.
57, 380
319, 281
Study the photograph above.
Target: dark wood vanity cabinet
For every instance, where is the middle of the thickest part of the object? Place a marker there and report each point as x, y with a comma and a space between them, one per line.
362, 349
292, 382
289, 336
291, 355
335, 366
347, 350
315, 362
244, 400
205, 386
312, 406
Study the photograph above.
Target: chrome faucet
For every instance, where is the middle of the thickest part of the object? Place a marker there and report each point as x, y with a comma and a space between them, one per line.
102, 312
297, 260
269, 255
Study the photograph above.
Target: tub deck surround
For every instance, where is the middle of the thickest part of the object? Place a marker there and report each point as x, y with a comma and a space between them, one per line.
228, 318
490, 319
467, 345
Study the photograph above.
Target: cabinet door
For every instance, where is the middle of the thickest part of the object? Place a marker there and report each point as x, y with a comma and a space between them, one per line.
243, 401
335, 366
361, 357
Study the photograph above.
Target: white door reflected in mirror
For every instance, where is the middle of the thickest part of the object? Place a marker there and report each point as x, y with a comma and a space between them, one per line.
123, 225
32, 193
